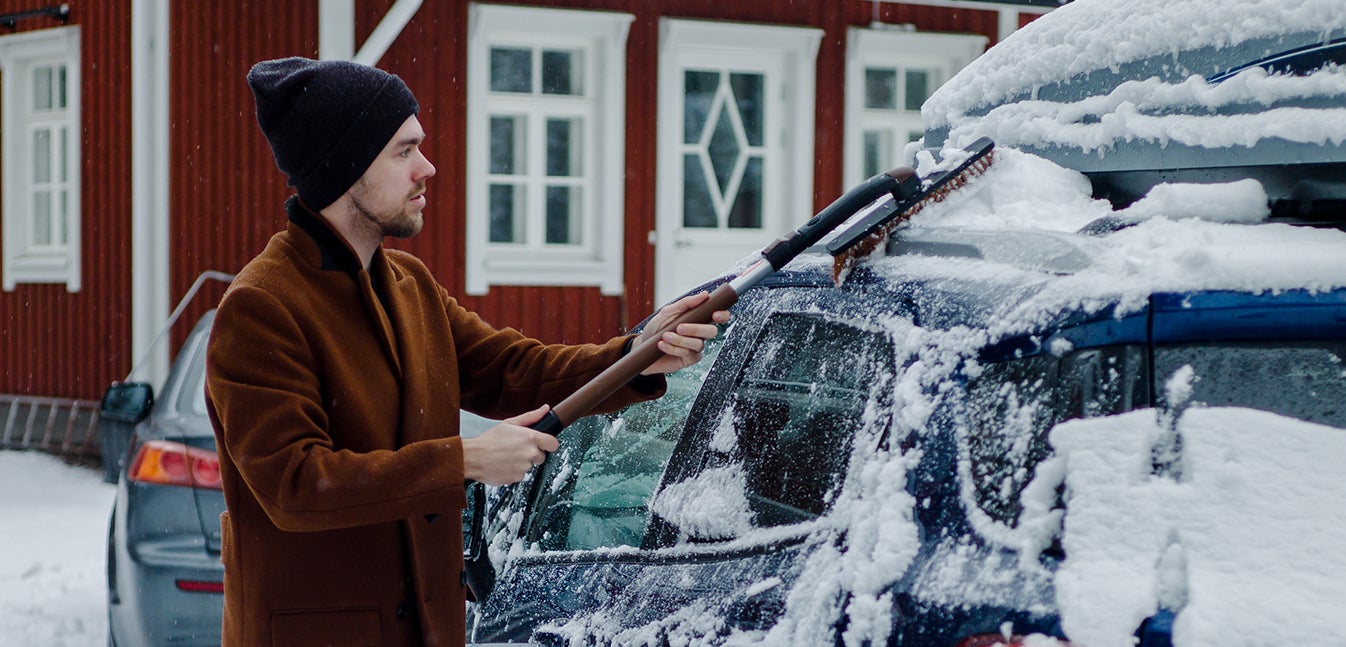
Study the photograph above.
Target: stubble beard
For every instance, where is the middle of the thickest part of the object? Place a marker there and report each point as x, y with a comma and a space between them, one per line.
402, 223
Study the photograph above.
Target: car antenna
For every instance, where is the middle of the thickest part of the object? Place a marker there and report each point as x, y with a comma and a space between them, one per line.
871, 232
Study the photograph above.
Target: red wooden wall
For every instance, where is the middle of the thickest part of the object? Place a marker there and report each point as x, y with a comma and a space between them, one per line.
53, 342
226, 194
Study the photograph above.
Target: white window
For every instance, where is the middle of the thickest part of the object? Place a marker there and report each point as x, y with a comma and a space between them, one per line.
736, 105
40, 160
545, 145
889, 74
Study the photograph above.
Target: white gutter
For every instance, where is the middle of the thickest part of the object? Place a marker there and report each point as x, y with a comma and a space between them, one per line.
336, 30
149, 184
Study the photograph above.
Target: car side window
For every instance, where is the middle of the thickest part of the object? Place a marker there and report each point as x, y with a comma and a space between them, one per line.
780, 444
595, 489
1012, 405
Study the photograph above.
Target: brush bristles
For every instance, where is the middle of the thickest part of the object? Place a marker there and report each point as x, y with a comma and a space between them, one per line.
845, 261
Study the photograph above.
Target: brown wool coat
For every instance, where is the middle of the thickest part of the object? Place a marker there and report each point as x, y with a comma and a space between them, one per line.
335, 407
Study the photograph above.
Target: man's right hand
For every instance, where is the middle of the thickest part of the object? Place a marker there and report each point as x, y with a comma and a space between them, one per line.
505, 453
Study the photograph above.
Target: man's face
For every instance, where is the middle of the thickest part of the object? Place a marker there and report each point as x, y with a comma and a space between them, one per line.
390, 195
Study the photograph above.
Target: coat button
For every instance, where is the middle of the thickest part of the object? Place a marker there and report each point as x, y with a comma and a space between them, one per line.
403, 610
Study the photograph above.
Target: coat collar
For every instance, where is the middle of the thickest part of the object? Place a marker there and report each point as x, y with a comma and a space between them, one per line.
336, 253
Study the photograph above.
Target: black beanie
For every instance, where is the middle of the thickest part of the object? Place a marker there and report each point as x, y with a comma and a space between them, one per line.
327, 120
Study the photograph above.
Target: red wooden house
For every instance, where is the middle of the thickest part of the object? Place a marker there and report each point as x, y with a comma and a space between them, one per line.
595, 157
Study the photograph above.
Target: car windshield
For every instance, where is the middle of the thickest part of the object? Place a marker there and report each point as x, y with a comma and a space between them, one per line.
597, 485
1305, 380
192, 400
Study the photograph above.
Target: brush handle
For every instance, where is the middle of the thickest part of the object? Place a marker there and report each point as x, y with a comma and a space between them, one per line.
641, 356
898, 183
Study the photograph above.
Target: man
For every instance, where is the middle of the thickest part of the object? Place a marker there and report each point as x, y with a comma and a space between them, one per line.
335, 374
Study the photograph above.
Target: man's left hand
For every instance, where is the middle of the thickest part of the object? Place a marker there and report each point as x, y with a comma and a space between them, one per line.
682, 346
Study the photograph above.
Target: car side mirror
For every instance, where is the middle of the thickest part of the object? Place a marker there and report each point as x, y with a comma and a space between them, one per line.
477, 568
127, 402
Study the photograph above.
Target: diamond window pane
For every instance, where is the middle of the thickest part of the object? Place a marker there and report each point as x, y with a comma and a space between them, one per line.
723, 149
880, 88
918, 88
507, 155
699, 94
698, 209
506, 208
747, 210
561, 73
748, 93
563, 215
511, 69
42, 88
42, 218
563, 147
42, 156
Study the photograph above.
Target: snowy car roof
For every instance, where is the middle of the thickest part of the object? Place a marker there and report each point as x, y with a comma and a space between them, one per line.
1103, 86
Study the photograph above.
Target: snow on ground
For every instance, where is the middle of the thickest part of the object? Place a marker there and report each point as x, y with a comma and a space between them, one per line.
53, 530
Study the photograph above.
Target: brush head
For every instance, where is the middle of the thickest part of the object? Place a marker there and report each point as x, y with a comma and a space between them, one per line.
868, 235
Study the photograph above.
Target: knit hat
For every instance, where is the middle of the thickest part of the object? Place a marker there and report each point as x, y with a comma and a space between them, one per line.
327, 121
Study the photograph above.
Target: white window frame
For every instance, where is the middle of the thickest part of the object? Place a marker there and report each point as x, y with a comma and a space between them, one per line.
23, 260
945, 54
597, 259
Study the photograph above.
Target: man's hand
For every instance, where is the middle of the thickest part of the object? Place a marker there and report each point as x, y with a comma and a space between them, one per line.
505, 453
682, 347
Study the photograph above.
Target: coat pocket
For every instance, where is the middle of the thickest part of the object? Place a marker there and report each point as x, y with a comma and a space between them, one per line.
358, 627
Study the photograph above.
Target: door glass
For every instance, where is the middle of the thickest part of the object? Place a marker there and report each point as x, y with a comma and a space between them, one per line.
1013, 405
1305, 380
596, 487
724, 123
780, 446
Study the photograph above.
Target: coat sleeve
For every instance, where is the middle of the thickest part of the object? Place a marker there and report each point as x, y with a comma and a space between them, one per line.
265, 403
505, 373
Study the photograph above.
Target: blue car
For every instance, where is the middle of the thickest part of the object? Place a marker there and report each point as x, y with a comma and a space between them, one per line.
852, 463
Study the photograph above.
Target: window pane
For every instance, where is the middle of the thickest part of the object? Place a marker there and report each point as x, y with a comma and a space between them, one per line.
506, 207
563, 215
880, 88
62, 218
507, 146
60, 87
723, 149
561, 73
878, 152
698, 209
748, 95
42, 156
42, 88
563, 147
63, 162
700, 90
918, 88
511, 69
42, 218
747, 210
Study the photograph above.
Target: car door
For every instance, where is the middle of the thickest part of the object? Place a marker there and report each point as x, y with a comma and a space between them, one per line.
661, 521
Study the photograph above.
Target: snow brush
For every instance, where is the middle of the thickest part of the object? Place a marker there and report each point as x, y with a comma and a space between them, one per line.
871, 232
901, 184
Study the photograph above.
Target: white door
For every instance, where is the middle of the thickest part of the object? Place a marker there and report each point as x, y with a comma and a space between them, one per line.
736, 145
